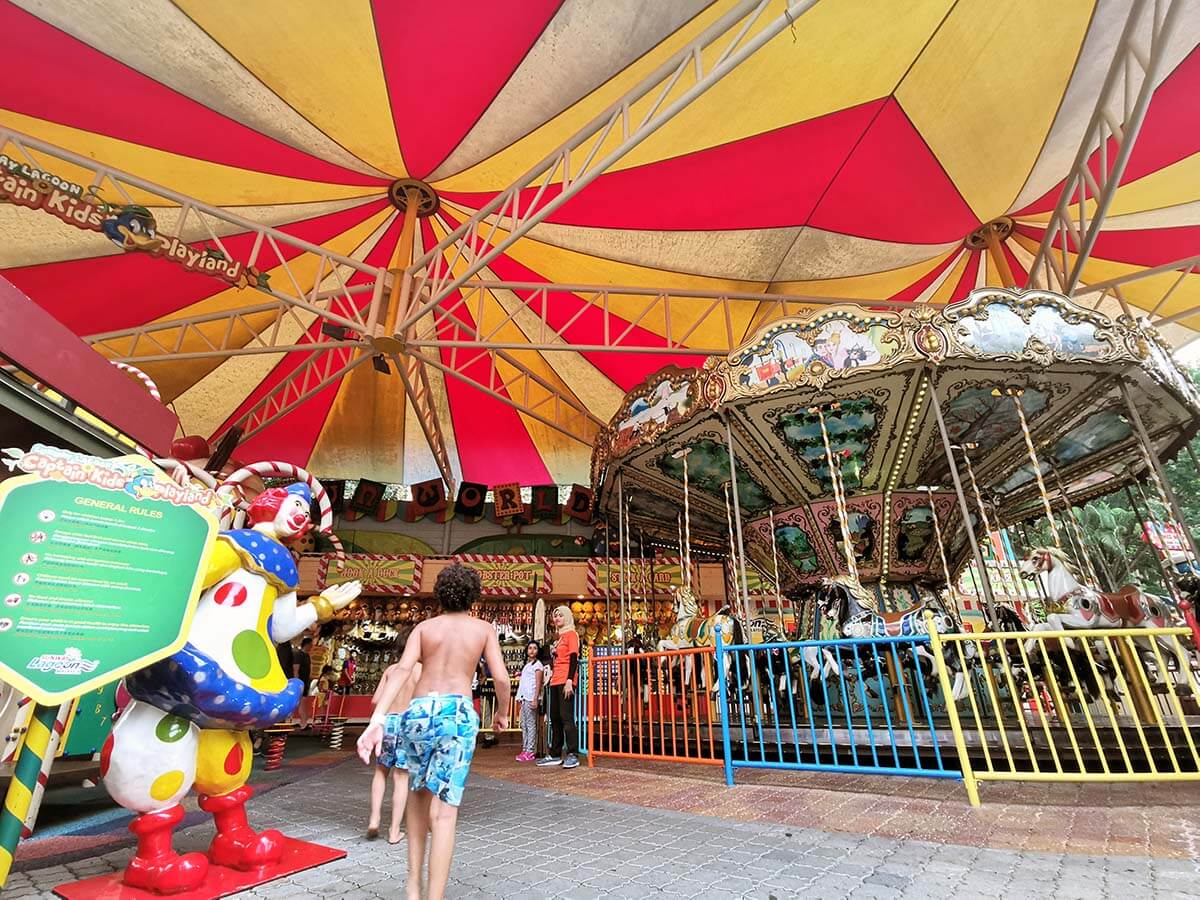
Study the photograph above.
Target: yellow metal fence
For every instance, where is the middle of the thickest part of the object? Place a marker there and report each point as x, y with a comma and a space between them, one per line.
1097, 705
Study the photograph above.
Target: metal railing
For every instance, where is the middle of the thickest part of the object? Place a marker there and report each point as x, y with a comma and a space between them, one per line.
1091, 705
656, 706
852, 705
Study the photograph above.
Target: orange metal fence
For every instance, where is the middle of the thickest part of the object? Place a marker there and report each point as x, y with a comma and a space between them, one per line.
653, 706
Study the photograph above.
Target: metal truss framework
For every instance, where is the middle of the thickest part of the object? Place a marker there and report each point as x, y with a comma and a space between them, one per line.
581, 158
1107, 143
347, 297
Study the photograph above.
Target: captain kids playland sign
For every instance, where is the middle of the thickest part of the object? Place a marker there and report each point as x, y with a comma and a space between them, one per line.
129, 226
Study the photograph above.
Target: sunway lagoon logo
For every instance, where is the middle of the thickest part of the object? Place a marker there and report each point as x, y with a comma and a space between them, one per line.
129, 226
139, 482
69, 662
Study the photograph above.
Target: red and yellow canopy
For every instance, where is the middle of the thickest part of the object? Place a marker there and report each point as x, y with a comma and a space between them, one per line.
850, 157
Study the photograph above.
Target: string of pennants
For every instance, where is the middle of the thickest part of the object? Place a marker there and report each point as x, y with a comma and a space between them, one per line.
429, 498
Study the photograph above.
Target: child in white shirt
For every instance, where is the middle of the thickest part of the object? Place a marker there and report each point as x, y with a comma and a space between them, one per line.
529, 693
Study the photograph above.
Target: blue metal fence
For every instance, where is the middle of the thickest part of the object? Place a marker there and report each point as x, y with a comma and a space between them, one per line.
868, 709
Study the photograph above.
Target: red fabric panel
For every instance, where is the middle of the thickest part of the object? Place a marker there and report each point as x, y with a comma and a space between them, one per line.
966, 281
768, 180
892, 188
105, 293
293, 437
50, 75
1142, 247
494, 446
433, 109
626, 370
1169, 132
913, 291
1018, 270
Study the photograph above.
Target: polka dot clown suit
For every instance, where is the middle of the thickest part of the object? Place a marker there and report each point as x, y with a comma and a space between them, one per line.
188, 720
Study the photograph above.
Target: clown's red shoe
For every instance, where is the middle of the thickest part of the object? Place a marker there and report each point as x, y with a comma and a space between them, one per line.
237, 845
156, 867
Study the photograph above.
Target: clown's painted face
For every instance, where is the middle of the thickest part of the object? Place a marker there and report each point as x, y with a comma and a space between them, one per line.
292, 520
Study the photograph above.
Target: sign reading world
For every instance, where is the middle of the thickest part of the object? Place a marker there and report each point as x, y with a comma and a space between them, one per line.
100, 569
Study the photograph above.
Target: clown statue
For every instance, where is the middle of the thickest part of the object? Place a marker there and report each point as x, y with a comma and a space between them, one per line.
187, 724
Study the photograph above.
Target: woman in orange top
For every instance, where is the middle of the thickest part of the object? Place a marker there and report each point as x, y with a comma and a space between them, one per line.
565, 673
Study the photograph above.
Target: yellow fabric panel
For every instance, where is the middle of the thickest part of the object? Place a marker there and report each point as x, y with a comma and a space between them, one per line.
214, 183
215, 747
843, 53
873, 286
320, 57
985, 91
177, 376
1175, 185
364, 428
556, 264
946, 291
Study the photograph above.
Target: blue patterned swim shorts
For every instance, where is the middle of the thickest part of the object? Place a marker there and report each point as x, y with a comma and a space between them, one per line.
439, 740
391, 755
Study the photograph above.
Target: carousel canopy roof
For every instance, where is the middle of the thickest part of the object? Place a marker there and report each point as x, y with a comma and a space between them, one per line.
858, 388
864, 152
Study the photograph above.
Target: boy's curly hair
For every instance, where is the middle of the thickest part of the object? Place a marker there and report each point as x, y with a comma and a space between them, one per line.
457, 588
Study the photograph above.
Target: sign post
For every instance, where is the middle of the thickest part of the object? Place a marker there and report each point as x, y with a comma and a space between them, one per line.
99, 576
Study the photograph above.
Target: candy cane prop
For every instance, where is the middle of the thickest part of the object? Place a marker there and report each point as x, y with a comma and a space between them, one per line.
142, 377
274, 469
180, 471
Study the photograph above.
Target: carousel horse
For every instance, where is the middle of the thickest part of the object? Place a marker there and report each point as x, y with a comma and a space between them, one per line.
1083, 607
1009, 620
692, 629
853, 612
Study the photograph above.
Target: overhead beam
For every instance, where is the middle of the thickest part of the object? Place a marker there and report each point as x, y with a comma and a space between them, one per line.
1111, 132
578, 161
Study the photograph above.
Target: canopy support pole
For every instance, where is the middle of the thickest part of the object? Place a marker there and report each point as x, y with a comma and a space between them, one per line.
737, 519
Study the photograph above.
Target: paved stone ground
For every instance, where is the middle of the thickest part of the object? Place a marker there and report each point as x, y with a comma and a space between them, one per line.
527, 841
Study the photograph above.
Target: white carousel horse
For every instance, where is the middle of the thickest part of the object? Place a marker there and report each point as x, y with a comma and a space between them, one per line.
692, 629
1084, 606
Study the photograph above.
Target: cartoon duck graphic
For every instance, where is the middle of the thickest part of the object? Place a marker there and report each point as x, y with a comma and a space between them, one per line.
188, 719
132, 228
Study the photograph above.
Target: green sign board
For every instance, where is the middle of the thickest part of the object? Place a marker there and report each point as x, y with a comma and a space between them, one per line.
100, 570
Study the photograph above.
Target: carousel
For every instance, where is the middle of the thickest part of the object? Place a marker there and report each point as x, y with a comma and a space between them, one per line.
871, 465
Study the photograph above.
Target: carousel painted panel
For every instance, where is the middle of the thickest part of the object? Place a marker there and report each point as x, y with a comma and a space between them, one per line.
666, 399
796, 543
913, 536
864, 522
814, 351
708, 471
1034, 325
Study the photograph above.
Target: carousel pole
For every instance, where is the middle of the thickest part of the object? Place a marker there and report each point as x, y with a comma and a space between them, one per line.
1159, 474
1033, 458
628, 572
621, 526
608, 635
983, 516
737, 518
839, 498
937, 533
687, 520
778, 591
989, 601
1075, 530
733, 566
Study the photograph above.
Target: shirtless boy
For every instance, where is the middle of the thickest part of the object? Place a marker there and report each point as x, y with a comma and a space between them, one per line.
392, 757
440, 725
